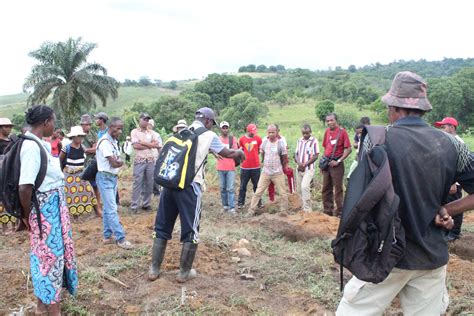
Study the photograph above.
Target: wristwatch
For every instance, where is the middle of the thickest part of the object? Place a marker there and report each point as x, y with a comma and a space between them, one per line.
339, 160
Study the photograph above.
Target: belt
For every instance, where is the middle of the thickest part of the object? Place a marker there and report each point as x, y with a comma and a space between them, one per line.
109, 173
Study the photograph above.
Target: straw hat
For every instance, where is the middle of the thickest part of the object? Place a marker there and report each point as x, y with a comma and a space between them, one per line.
181, 124
76, 131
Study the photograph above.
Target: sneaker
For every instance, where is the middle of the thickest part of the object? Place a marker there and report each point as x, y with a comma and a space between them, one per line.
146, 208
240, 206
232, 211
225, 209
133, 210
125, 244
108, 241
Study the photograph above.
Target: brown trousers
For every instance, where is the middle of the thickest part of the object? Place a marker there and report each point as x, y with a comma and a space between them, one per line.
332, 189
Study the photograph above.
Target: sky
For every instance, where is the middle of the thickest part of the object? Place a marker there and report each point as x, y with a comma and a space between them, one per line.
176, 40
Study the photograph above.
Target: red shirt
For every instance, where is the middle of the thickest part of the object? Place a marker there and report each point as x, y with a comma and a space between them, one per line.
55, 147
329, 141
251, 148
227, 164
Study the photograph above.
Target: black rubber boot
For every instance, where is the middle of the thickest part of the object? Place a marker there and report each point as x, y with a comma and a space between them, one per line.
158, 253
188, 253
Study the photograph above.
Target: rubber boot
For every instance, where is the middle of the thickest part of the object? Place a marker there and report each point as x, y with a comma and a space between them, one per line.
158, 253
188, 253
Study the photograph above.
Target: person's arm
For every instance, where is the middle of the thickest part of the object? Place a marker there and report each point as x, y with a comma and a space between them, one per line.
108, 150
115, 162
346, 152
62, 159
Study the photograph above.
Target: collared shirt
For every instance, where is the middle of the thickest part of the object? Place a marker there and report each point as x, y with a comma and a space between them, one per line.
272, 159
30, 158
330, 140
305, 150
144, 155
107, 147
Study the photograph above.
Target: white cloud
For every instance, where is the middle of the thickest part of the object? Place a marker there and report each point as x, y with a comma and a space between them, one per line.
189, 39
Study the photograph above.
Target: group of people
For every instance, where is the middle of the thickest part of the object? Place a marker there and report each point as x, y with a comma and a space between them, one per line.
429, 168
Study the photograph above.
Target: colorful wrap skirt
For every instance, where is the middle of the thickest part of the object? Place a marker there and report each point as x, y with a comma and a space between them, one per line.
80, 197
5, 218
52, 259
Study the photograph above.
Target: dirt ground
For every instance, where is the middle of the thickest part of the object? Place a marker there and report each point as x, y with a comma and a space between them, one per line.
287, 269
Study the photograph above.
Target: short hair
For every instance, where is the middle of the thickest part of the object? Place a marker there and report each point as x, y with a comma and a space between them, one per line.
365, 120
332, 114
272, 125
360, 126
114, 120
307, 126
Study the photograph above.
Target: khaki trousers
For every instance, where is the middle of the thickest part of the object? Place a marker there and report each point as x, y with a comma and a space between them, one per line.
421, 292
303, 184
263, 183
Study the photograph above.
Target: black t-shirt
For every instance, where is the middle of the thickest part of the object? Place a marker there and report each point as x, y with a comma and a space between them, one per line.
425, 162
75, 157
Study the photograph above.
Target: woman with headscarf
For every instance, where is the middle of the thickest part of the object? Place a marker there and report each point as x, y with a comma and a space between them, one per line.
52, 258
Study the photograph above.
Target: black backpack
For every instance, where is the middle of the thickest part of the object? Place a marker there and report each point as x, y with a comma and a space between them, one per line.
175, 167
370, 239
10, 177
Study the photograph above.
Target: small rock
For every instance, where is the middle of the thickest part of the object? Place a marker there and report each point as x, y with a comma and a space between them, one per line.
242, 243
235, 259
244, 252
247, 276
263, 287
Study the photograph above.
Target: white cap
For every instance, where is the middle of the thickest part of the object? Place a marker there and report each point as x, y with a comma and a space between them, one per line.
224, 123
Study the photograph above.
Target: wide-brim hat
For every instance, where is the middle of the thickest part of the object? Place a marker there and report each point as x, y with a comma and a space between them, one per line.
5, 122
76, 131
181, 124
408, 91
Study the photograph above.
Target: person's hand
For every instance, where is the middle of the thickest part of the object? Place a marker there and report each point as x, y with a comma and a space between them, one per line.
218, 157
453, 189
443, 219
333, 163
301, 167
241, 155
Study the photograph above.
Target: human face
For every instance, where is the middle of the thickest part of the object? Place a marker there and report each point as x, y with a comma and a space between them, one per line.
116, 129
48, 126
331, 122
225, 130
448, 128
99, 122
306, 133
86, 128
77, 140
5, 130
271, 133
143, 123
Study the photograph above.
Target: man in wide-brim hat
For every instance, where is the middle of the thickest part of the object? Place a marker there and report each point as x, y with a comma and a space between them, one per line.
424, 162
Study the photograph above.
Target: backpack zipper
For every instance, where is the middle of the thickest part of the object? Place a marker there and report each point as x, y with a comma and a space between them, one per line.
381, 246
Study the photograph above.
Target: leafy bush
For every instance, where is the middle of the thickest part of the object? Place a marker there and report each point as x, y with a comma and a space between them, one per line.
323, 108
348, 118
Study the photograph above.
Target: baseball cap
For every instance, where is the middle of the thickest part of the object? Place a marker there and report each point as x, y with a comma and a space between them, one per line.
224, 123
206, 113
447, 120
144, 115
102, 115
409, 91
252, 128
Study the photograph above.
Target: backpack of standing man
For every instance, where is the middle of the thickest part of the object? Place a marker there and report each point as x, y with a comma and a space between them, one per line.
370, 240
175, 167
10, 177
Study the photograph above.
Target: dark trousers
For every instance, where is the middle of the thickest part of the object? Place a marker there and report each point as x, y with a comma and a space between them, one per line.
247, 175
186, 203
332, 189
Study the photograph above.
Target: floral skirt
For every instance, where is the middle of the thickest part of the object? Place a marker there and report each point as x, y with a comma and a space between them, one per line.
52, 259
5, 218
80, 196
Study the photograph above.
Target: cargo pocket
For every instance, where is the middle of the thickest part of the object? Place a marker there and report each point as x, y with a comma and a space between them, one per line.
353, 288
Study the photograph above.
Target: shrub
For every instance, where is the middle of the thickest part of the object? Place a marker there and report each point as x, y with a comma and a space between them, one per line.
323, 108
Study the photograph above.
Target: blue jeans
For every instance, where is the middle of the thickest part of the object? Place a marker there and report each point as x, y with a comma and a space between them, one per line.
226, 179
107, 184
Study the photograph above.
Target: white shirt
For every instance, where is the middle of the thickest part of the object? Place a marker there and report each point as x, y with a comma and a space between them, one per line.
30, 159
107, 147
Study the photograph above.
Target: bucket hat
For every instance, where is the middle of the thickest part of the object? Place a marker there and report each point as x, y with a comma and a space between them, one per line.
5, 122
76, 131
181, 124
408, 91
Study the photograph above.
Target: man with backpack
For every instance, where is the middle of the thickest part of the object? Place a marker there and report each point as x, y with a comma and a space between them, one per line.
183, 185
337, 148
424, 162
275, 159
5, 140
226, 170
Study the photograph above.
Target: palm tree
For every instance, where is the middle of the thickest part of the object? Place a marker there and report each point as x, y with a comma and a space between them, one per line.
63, 71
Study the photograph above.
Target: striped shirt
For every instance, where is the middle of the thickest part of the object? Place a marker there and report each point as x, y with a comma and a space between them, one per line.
75, 157
305, 149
